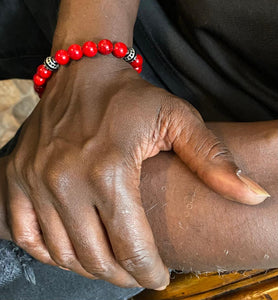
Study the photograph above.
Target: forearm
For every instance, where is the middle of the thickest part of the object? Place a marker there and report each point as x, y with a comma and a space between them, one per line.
196, 229
79, 21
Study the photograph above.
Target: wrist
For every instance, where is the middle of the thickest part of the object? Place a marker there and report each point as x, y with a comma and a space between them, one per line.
89, 49
101, 73
80, 21
63, 39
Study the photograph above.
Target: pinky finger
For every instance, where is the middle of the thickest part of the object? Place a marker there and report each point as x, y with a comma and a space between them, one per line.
26, 232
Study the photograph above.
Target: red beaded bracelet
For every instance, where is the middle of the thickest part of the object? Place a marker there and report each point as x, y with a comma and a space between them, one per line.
89, 49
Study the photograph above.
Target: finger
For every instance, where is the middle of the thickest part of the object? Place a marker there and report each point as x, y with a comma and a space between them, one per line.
58, 243
90, 242
206, 155
26, 231
128, 228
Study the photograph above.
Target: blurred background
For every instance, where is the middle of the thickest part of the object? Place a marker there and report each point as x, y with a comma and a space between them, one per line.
17, 100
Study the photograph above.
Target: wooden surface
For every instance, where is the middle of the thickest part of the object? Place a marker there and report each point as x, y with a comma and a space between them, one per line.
248, 285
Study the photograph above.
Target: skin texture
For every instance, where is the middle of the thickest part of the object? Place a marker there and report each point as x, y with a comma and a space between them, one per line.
194, 228
83, 20
73, 195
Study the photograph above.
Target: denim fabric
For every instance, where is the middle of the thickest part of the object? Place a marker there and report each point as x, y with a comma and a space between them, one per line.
55, 284
14, 262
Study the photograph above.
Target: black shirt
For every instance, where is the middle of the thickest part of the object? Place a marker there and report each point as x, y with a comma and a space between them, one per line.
220, 55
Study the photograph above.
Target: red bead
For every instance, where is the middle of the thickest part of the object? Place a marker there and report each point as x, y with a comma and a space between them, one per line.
138, 62
89, 49
43, 72
138, 69
120, 50
39, 89
105, 47
38, 80
62, 57
75, 52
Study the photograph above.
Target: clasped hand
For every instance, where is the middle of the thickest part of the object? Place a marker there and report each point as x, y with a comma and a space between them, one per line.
73, 178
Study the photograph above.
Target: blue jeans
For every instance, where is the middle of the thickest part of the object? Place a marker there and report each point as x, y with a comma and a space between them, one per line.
53, 283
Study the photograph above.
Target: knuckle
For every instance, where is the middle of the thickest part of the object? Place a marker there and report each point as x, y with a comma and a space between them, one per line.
145, 268
98, 270
23, 241
140, 261
175, 104
178, 116
217, 151
105, 167
103, 176
211, 148
57, 179
52, 177
64, 259
59, 169
221, 153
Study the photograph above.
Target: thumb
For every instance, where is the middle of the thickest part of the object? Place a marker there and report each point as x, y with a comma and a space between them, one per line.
206, 155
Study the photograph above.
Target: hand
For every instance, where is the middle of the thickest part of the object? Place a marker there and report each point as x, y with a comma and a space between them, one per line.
74, 176
4, 229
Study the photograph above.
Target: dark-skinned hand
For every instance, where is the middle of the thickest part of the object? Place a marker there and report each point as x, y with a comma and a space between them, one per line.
73, 178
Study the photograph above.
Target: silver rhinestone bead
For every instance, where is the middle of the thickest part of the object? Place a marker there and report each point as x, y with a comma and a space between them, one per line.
131, 55
51, 64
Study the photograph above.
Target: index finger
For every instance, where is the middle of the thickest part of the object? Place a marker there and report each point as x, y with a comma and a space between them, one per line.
128, 229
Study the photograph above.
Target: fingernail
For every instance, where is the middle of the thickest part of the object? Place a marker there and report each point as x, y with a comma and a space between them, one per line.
252, 185
64, 268
161, 288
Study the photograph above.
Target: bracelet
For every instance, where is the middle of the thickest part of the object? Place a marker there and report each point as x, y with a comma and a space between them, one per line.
75, 52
